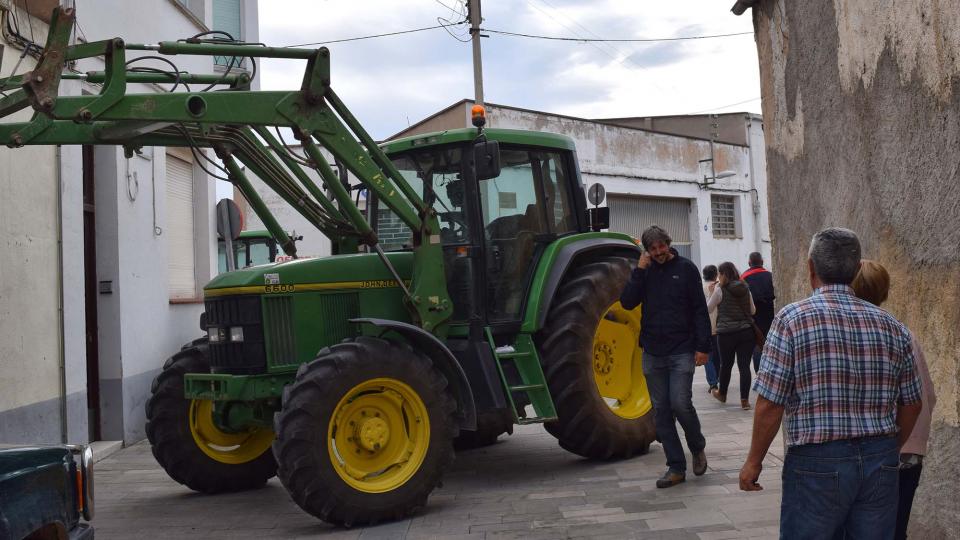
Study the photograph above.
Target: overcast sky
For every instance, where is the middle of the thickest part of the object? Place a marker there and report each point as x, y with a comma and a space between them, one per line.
391, 82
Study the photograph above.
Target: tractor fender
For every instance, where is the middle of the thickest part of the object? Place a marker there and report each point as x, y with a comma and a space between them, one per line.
441, 357
573, 254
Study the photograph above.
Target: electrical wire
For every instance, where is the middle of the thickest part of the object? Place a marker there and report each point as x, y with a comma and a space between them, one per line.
725, 106
462, 12
448, 24
611, 40
376, 35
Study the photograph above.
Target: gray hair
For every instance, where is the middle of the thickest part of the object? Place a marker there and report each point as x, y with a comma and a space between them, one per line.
835, 253
652, 235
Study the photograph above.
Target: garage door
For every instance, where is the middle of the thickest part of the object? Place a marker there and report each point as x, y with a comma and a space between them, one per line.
631, 215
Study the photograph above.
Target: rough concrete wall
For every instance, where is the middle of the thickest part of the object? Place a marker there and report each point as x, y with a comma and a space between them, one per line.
29, 293
862, 106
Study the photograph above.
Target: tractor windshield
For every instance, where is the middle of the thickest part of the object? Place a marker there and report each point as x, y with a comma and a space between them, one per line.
435, 174
247, 252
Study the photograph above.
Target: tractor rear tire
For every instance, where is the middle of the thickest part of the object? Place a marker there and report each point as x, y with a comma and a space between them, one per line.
365, 432
175, 444
587, 425
490, 425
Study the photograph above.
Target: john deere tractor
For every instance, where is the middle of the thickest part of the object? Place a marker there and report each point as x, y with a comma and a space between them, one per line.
475, 291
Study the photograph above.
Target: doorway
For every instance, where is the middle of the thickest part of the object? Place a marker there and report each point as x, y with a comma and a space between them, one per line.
91, 293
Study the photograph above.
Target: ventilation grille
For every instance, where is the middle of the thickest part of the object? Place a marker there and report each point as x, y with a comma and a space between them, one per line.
279, 331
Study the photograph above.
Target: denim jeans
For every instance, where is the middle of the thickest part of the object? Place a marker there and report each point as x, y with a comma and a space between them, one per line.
712, 368
847, 486
670, 381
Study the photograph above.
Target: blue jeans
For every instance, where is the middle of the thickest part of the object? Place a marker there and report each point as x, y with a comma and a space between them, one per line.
837, 487
670, 381
712, 369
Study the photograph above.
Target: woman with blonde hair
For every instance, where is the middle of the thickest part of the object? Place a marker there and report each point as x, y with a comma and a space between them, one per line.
873, 285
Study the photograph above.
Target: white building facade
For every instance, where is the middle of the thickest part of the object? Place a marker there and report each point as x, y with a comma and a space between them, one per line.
106, 256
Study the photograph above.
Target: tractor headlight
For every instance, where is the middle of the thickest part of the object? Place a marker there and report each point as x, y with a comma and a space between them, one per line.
216, 334
236, 334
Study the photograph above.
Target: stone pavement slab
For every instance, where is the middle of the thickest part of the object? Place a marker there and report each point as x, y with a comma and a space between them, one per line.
525, 486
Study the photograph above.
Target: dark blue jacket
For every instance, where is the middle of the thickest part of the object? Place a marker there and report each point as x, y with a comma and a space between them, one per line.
760, 282
675, 319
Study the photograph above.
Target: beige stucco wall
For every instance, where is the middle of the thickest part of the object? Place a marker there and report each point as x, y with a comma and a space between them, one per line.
861, 103
29, 292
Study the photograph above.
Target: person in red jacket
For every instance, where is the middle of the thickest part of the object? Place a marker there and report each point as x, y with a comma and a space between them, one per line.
760, 281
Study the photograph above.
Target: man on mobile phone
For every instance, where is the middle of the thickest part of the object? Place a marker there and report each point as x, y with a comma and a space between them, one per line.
675, 336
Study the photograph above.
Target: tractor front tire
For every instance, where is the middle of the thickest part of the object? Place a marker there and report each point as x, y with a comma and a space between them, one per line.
187, 443
365, 432
589, 349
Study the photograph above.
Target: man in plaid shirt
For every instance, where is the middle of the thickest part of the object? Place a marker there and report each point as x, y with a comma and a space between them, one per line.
842, 371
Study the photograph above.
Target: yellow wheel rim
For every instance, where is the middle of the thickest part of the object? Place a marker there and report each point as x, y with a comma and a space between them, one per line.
618, 363
229, 448
379, 435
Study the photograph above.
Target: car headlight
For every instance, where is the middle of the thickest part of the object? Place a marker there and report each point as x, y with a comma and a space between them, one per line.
216, 334
236, 334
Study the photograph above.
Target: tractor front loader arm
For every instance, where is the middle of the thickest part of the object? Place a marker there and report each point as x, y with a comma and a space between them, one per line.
235, 122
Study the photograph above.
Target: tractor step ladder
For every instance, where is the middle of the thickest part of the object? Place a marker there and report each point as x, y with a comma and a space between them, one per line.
524, 356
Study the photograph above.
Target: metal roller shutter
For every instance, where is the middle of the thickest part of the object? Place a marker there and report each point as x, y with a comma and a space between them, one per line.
631, 215
179, 229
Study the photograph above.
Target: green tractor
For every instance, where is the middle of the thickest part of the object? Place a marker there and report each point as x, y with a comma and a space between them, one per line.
476, 291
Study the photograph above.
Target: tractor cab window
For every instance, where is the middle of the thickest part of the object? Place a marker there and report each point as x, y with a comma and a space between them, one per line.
528, 200
435, 175
247, 252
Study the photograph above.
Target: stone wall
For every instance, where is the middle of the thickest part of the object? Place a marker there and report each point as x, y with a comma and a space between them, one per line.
861, 105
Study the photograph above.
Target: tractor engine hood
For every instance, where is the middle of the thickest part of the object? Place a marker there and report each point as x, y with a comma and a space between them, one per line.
334, 272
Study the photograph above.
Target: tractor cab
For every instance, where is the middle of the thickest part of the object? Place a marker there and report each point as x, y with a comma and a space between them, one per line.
493, 230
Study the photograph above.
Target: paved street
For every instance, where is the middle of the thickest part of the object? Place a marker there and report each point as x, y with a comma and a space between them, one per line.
525, 486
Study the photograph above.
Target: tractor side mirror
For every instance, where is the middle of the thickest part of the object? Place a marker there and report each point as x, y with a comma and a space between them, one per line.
598, 218
486, 160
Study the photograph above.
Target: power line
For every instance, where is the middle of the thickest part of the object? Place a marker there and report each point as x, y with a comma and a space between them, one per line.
605, 40
378, 35
530, 36
727, 105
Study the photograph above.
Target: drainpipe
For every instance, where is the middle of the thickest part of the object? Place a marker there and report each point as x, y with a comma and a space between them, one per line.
60, 300
757, 215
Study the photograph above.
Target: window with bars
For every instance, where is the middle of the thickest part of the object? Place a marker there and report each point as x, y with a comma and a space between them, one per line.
723, 212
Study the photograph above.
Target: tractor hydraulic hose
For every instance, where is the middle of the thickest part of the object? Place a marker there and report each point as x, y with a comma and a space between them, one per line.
297, 171
393, 271
367, 235
240, 179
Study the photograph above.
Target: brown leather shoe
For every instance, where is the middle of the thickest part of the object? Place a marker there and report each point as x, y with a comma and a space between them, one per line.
722, 398
700, 463
671, 478
745, 404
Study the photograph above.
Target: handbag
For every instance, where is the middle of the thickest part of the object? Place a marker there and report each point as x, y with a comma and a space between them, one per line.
759, 338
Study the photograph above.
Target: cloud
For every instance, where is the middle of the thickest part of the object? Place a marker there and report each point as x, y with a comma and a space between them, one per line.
393, 81
661, 54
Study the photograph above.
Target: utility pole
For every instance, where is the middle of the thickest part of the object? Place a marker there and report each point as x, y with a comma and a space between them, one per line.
473, 8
